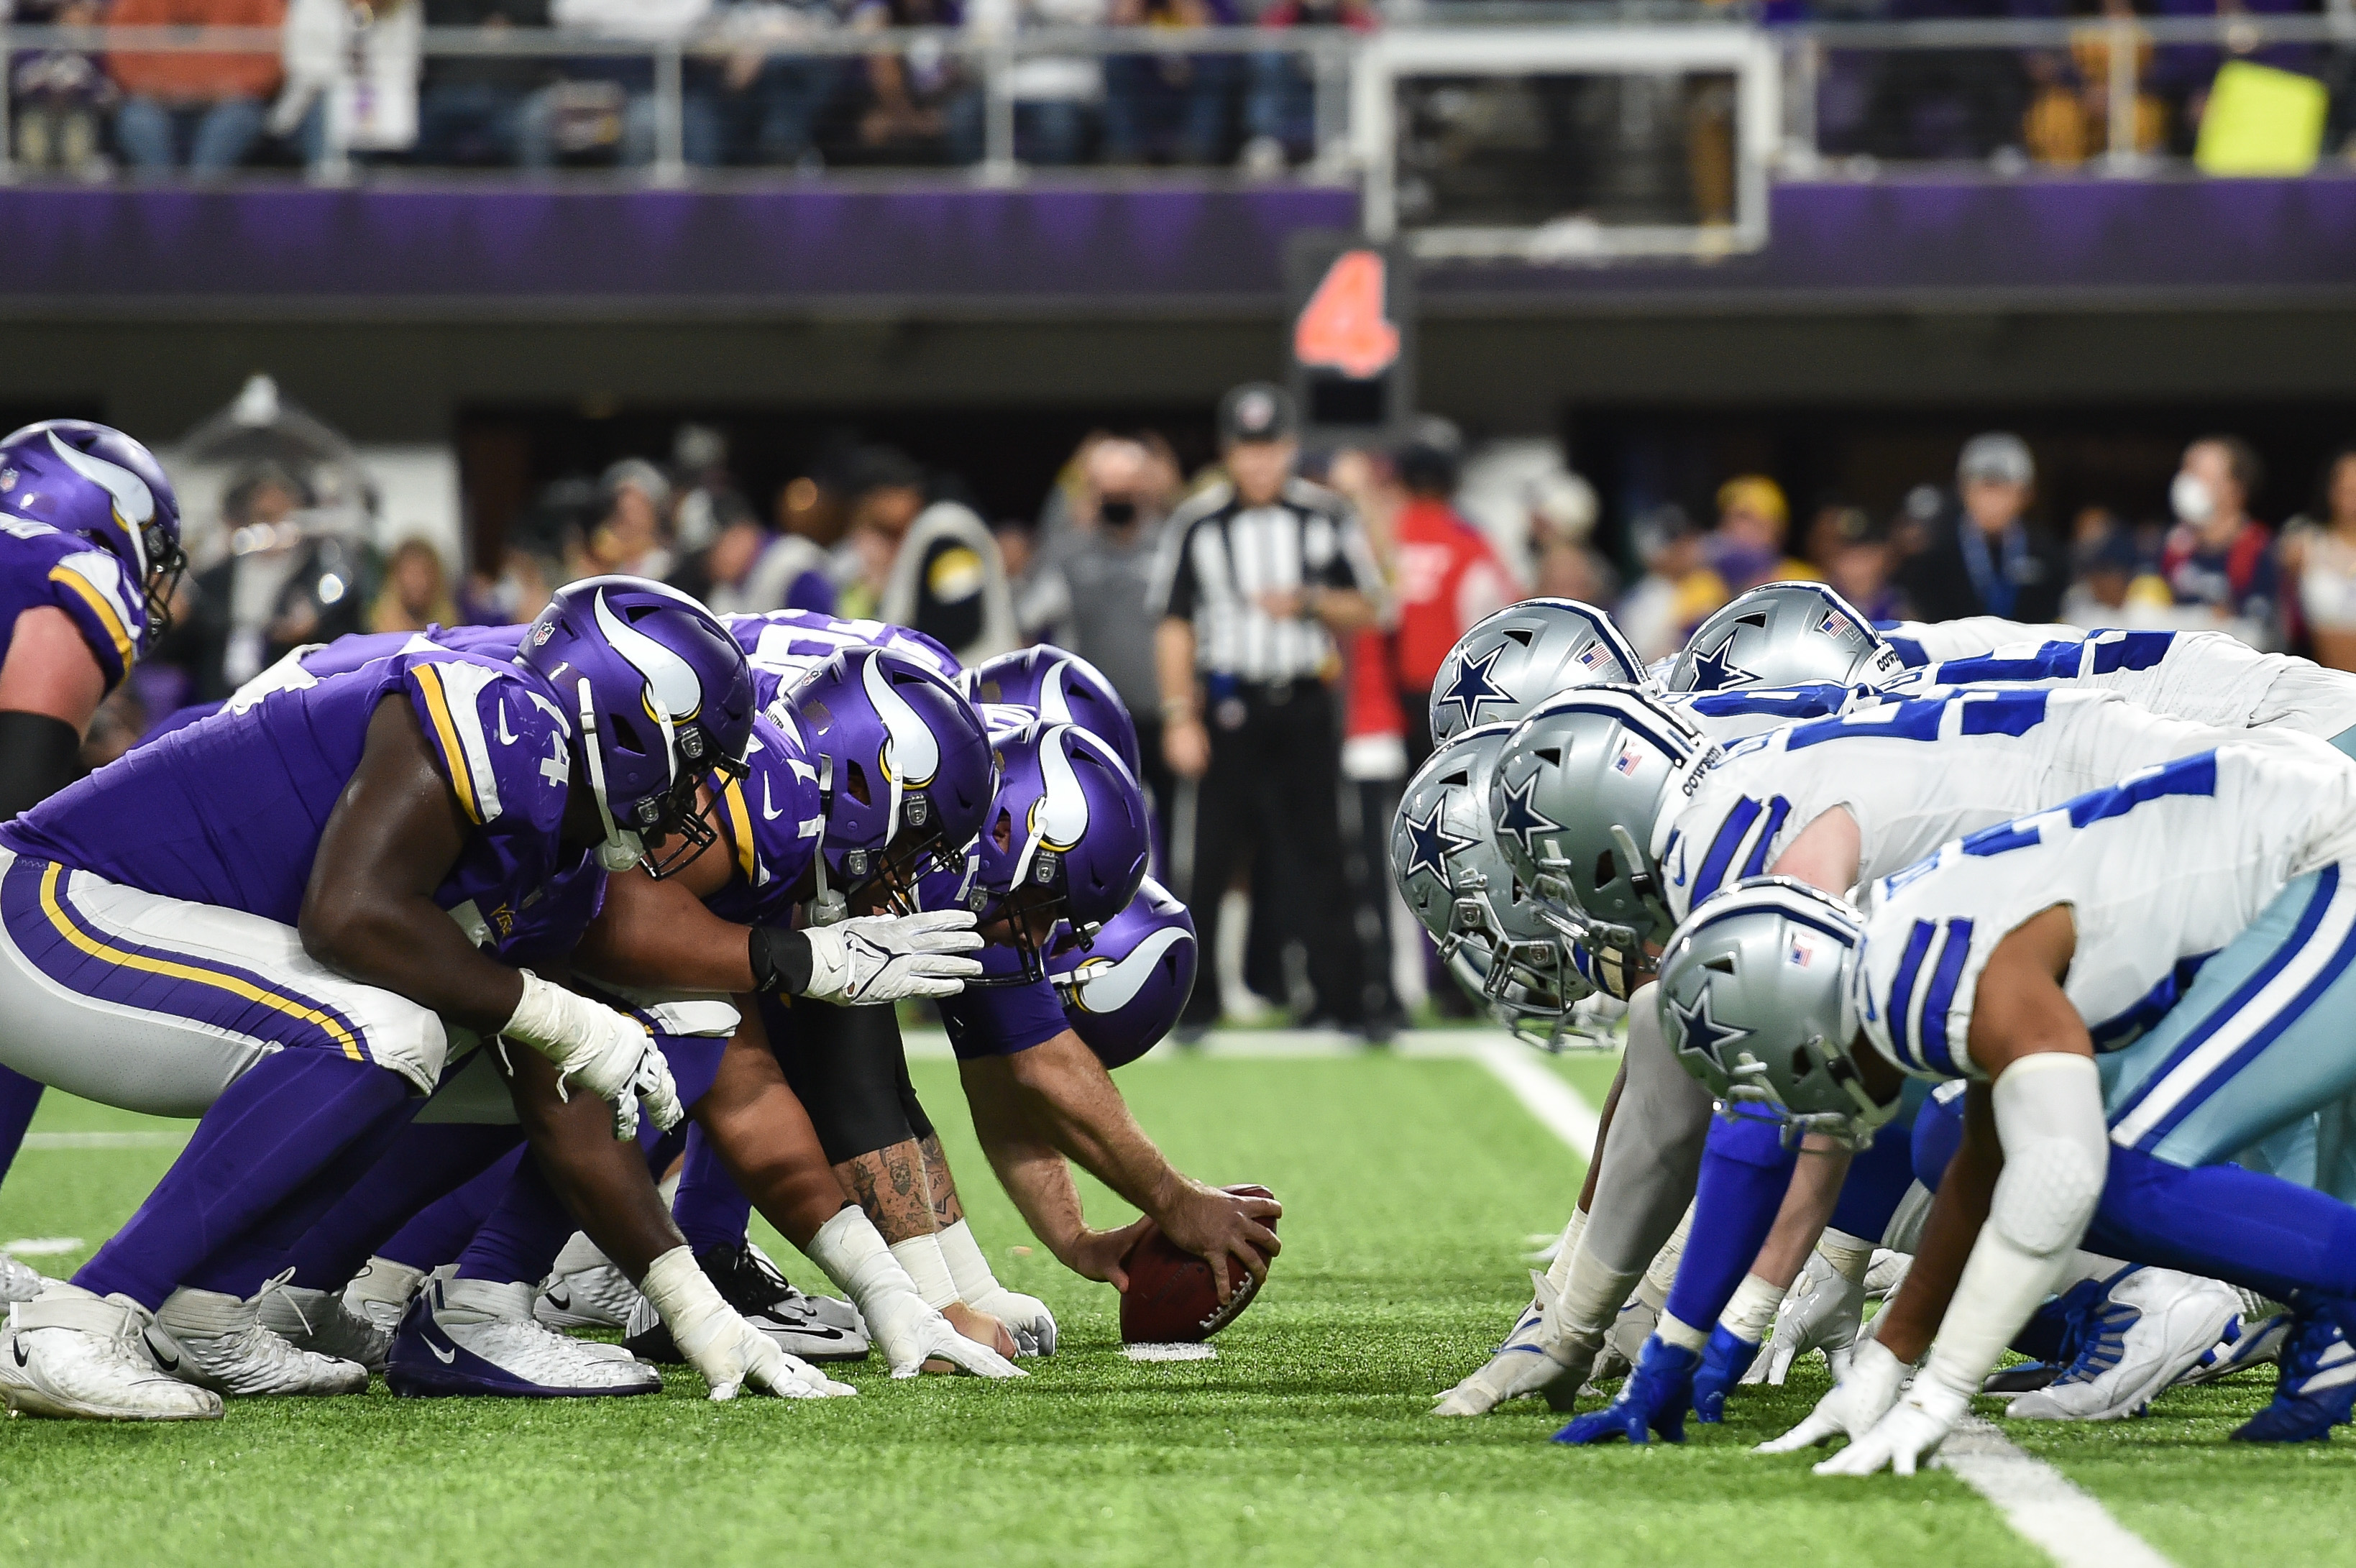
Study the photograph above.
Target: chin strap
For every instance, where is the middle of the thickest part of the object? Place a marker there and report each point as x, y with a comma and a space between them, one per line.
829, 907
619, 850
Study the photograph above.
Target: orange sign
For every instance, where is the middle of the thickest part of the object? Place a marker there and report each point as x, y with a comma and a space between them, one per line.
1344, 327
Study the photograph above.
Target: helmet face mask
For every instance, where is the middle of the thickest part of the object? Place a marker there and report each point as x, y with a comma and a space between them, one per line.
1755, 998
1493, 933
1577, 790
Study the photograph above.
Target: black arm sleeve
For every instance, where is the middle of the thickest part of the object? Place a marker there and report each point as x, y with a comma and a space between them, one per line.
780, 959
39, 756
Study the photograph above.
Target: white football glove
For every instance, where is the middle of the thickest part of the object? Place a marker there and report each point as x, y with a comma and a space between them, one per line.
852, 1252
608, 1053
1026, 1317
883, 958
1539, 1357
1908, 1433
1824, 1314
1853, 1407
717, 1342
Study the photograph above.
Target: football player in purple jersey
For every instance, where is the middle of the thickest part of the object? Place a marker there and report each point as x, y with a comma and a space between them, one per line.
89, 552
276, 917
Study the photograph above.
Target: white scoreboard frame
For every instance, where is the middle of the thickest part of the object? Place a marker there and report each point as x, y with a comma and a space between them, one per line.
1747, 53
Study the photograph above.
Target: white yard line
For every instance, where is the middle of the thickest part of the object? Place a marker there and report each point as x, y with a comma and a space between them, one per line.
2041, 1504
1560, 1109
106, 1139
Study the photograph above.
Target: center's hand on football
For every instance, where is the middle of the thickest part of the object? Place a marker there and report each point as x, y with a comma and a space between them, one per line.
1097, 1254
1224, 1229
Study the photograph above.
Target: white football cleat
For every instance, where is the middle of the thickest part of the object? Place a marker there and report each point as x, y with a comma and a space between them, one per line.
215, 1341
18, 1280
380, 1292
2246, 1343
321, 1322
76, 1355
585, 1291
2150, 1328
478, 1338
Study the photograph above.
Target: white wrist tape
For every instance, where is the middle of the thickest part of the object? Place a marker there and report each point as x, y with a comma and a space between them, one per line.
1558, 1271
1751, 1313
546, 1017
1683, 1335
969, 1268
2049, 1113
1850, 1256
851, 1251
921, 1257
690, 1305
1593, 1295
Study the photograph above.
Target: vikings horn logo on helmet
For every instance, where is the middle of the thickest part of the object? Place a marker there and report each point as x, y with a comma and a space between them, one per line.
1059, 818
1107, 985
911, 754
134, 503
673, 693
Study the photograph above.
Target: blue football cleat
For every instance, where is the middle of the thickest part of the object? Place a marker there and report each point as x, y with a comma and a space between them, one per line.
2317, 1387
1723, 1361
1653, 1398
478, 1338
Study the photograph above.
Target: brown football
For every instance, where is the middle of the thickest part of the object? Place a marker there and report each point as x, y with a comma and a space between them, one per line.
1172, 1298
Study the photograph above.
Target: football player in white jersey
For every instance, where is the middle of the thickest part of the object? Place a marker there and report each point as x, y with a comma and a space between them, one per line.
2213, 891
1832, 802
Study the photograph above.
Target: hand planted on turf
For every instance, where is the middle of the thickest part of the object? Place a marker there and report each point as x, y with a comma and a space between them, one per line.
1541, 1356
1097, 1254
1026, 1318
982, 1328
1224, 1228
933, 1338
1825, 1316
1908, 1434
1653, 1398
1724, 1360
1861, 1399
730, 1353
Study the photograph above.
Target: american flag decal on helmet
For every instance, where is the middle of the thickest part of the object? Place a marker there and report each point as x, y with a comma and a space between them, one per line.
1834, 624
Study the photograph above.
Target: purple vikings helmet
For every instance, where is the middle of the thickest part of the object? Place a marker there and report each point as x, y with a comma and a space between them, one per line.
662, 698
93, 480
905, 769
1122, 993
1066, 839
1062, 687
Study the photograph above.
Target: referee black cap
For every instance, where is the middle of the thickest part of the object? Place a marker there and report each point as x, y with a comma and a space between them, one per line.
1257, 411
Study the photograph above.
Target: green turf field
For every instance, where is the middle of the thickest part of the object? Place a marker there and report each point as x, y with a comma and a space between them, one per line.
1410, 1186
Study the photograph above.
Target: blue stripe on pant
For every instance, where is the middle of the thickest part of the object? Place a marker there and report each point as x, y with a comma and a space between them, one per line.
2265, 1036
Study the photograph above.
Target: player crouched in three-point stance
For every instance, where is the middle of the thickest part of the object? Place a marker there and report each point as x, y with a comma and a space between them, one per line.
273, 917
2008, 960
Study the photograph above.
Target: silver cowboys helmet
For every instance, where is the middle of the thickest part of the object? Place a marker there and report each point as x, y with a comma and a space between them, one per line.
1490, 932
1578, 789
1785, 634
1523, 654
1754, 999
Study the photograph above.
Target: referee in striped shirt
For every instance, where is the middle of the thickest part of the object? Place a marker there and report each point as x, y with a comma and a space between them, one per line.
1256, 574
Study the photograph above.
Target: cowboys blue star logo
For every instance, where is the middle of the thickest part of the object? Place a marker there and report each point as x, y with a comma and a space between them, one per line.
1522, 818
1716, 670
1704, 1033
1474, 685
1430, 843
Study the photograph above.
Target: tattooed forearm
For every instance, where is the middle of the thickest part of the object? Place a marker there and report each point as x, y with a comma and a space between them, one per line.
890, 1185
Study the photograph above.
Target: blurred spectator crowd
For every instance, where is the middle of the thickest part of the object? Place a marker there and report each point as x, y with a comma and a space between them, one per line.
747, 99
